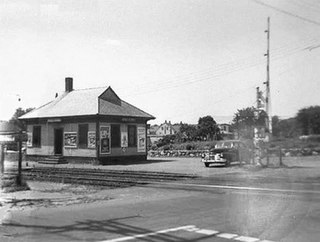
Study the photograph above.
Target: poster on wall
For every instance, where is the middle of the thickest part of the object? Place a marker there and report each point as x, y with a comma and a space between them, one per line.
124, 139
91, 139
141, 135
29, 141
70, 140
105, 140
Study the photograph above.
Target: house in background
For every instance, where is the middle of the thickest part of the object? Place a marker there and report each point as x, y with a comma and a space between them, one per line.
9, 135
8, 132
225, 130
87, 124
157, 132
166, 129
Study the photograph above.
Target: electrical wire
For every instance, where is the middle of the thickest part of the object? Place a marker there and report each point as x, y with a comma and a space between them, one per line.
225, 68
287, 13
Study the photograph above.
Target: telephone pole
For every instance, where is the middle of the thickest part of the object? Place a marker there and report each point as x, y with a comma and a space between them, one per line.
268, 98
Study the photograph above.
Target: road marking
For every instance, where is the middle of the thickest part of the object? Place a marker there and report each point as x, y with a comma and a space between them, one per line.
191, 229
246, 239
149, 234
206, 231
227, 235
259, 189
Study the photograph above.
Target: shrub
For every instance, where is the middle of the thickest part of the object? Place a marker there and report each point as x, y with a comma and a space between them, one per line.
166, 147
189, 147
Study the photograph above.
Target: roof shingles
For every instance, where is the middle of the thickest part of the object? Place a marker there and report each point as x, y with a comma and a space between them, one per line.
84, 102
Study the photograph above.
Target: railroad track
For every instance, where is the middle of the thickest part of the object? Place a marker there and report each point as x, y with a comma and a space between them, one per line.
101, 177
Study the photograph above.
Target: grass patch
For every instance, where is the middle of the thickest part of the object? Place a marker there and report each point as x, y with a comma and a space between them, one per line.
10, 184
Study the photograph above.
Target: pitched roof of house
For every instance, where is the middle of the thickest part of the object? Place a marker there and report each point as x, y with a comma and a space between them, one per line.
89, 101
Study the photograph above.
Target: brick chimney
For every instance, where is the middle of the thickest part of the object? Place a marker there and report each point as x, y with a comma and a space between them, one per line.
69, 84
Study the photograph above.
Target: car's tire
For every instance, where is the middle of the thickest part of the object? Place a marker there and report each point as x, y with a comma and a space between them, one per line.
207, 164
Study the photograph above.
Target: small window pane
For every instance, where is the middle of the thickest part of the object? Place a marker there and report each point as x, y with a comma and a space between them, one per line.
132, 136
115, 135
36, 139
83, 135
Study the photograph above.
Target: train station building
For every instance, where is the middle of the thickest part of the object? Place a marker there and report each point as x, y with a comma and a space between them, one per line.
87, 125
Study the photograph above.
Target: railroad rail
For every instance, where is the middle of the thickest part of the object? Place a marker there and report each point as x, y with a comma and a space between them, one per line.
101, 177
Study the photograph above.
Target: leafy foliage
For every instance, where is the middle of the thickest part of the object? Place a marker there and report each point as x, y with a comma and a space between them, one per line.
245, 119
18, 113
308, 120
275, 126
188, 132
166, 140
207, 128
288, 128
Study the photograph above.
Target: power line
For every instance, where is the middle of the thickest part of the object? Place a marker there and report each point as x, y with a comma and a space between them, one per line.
209, 76
233, 94
288, 13
225, 68
301, 5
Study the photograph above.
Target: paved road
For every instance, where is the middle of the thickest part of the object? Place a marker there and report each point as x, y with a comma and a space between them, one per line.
227, 204
181, 212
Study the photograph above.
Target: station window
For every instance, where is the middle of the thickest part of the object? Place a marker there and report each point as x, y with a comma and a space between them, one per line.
115, 135
83, 135
132, 136
36, 136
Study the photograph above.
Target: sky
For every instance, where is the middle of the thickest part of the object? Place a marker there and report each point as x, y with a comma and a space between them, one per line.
175, 59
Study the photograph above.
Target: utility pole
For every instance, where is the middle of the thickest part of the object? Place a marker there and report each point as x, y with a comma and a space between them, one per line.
268, 98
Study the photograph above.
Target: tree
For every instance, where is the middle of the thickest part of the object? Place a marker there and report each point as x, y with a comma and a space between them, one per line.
288, 128
308, 120
275, 126
207, 128
166, 140
246, 119
18, 113
188, 132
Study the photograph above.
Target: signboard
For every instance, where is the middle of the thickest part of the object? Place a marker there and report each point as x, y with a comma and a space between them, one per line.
91, 139
131, 120
70, 140
141, 136
54, 120
29, 141
124, 139
105, 140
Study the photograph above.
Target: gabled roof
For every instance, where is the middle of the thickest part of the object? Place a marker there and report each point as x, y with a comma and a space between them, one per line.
85, 102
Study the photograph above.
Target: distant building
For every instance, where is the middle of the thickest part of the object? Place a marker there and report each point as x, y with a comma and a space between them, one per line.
8, 131
157, 132
91, 123
225, 130
166, 129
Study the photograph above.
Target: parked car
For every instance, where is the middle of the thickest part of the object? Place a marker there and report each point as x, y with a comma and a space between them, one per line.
226, 152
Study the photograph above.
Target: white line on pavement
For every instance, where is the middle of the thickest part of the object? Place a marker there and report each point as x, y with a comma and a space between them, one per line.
227, 236
194, 229
246, 239
149, 234
261, 189
207, 231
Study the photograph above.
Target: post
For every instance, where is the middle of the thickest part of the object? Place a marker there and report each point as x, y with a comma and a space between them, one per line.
268, 98
19, 178
280, 157
240, 157
267, 151
2, 159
